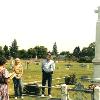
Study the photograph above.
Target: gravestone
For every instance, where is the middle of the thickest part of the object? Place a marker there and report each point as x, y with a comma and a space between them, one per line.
31, 89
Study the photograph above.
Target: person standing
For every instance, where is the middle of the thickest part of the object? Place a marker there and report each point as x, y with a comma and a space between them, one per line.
18, 72
48, 67
4, 77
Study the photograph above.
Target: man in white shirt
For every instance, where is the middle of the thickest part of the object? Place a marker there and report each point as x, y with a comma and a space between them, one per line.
48, 67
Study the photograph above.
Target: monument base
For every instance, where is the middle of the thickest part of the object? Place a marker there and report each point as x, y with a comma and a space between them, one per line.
96, 80
96, 73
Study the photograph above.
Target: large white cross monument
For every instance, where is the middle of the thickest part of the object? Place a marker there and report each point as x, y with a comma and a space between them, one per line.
96, 60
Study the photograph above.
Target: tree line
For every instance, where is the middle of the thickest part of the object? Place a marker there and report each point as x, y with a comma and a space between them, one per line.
84, 55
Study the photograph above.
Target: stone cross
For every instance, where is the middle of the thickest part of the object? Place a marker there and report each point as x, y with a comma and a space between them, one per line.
96, 60
98, 11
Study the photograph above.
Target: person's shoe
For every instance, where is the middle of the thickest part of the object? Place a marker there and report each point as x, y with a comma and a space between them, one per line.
50, 96
15, 98
42, 95
22, 97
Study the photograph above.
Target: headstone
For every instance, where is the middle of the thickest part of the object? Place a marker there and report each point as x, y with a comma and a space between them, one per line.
31, 89
83, 65
64, 94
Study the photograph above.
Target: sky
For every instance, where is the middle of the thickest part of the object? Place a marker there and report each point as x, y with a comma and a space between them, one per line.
69, 23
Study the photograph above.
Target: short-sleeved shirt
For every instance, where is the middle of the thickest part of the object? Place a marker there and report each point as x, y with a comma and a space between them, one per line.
48, 66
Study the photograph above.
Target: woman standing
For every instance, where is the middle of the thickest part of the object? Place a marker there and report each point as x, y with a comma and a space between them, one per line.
18, 71
4, 76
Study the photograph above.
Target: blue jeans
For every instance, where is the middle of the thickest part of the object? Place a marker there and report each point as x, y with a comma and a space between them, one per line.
17, 87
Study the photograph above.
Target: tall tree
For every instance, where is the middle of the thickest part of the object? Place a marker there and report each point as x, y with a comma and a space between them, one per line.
6, 52
91, 50
31, 53
1, 51
87, 54
41, 51
14, 49
54, 51
76, 52
23, 54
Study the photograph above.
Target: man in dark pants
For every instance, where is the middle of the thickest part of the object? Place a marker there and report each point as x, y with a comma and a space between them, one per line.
48, 66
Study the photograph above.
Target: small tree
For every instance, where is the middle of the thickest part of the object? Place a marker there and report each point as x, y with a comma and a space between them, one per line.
14, 49
65, 54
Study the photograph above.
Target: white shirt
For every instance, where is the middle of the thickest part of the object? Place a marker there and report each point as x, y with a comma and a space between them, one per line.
48, 66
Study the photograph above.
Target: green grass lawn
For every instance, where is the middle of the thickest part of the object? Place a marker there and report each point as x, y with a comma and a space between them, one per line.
33, 73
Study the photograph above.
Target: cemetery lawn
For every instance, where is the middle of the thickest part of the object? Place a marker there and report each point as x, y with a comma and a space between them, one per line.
32, 73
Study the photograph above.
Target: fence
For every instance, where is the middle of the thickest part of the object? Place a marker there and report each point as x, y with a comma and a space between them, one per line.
94, 92
78, 92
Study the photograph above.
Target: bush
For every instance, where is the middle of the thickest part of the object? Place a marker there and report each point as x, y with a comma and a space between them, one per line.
85, 59
70, 80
